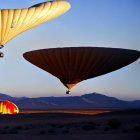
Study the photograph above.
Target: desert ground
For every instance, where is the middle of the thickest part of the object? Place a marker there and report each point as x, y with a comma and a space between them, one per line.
71, 124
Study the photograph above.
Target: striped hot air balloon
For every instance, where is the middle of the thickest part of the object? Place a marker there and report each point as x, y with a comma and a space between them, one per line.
15, 21
7, 107
75, 64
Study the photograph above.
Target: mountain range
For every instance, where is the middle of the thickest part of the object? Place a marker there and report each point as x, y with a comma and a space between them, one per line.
91, 100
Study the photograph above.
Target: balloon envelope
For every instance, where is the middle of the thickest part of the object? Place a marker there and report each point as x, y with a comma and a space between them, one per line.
75, 64
15, 21
7, 107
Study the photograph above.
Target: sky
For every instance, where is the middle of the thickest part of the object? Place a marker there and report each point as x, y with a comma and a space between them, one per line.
100, 23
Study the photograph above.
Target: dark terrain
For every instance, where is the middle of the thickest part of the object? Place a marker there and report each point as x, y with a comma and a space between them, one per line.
87, 117
118, 124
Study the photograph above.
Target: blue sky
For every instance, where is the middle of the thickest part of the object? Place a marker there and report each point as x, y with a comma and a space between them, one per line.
101, 23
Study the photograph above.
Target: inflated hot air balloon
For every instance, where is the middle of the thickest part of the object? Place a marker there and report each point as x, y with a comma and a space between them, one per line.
75, 64
15, 21
7, 107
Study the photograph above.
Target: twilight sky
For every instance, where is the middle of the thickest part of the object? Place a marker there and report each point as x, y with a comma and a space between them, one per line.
100, 23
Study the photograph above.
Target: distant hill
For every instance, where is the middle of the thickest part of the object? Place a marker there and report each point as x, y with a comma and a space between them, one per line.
5, 97
92, 100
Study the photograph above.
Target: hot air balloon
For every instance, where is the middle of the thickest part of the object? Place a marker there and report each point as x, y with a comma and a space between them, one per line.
7, 107
75, 64
15, 21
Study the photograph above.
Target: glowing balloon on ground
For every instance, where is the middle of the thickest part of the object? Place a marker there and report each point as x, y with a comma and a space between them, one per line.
7, 107
15, 21
75, 64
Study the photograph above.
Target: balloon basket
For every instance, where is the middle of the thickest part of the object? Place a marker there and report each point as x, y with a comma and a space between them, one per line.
1, 54
68, 92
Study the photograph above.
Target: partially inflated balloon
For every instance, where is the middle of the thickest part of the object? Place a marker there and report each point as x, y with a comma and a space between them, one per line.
75, 64
7, 107
15, 21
